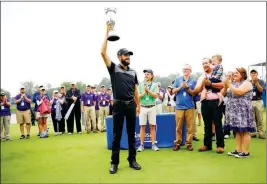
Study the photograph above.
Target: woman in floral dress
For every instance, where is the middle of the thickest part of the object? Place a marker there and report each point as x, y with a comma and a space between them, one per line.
239, 111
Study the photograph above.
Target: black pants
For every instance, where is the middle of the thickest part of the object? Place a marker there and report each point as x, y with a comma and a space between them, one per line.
110, 110
56, 123
62, 122
76, 111
211, 112
120, 109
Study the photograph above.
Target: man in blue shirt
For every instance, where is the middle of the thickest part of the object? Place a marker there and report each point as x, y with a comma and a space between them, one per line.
183, 87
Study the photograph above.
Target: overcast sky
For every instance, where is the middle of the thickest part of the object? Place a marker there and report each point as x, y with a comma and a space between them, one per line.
63, 39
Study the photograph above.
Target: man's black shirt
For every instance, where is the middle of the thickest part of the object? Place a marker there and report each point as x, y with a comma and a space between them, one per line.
123, 82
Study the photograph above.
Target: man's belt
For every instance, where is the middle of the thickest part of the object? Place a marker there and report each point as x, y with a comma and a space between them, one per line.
123, 101
147, 106
213, 100
257, 99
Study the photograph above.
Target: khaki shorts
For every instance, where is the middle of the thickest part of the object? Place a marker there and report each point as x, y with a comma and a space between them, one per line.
39, 115
23, 117
149, 114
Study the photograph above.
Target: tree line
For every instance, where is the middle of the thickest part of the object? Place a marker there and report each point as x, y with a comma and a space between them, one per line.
30, 86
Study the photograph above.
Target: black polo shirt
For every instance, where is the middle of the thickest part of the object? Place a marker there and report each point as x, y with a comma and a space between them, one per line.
123, 82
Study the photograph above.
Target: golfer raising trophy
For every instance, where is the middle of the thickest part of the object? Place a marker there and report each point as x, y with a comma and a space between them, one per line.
126, 101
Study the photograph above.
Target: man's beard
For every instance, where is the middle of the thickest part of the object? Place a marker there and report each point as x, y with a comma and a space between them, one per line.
124, 62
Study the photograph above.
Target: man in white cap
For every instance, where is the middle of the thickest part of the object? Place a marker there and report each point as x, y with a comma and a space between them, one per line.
88, 101
23, 113
104, 101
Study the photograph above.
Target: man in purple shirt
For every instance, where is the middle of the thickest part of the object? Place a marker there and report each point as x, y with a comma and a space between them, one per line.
96, 107
5, 116
88, 108
23, 113
104, 100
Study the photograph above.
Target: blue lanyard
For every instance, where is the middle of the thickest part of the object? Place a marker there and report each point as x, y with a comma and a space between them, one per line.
149, 86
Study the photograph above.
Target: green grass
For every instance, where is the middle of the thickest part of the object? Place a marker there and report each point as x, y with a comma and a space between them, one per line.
85, 159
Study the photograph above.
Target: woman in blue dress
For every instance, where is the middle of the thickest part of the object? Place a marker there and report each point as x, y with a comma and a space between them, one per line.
239, 111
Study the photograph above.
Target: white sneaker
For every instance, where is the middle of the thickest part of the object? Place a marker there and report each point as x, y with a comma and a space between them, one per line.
69, 133
80, 132
8, 139
154, 147
60, 133
226, 136
140, 148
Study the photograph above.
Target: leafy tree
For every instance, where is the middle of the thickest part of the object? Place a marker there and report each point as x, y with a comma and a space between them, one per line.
79, 85
105, 81
29, 87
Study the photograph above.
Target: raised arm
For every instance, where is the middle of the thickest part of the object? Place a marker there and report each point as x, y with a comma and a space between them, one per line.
226, 86
104, 48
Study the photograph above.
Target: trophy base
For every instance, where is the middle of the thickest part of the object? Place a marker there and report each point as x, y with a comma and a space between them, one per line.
113, 38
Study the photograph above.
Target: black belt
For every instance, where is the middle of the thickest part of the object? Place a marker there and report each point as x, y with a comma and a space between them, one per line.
256, 99
88, 105
147, 106
210, 100
24, 110
123, 101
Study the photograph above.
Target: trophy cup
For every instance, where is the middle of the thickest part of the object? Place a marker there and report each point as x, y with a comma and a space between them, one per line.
110, 13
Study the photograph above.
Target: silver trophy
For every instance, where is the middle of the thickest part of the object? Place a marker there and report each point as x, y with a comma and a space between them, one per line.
111, 13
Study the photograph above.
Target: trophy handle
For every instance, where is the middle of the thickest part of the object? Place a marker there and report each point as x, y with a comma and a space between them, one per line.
114, 10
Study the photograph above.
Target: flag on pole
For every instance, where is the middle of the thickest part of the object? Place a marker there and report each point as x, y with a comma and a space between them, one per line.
69, 111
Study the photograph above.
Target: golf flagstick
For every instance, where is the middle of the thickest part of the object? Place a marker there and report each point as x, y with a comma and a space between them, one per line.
69, 111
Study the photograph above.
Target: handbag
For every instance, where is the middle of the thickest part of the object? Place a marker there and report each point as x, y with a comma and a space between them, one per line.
44, 107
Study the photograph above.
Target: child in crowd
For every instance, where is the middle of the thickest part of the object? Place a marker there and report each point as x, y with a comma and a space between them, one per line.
216, 77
